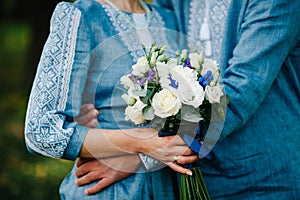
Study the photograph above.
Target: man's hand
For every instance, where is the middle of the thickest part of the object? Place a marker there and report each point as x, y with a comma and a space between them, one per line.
105, 171
88, 116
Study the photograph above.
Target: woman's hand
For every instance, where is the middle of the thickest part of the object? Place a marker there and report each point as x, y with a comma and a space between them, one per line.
105, 171
170, 150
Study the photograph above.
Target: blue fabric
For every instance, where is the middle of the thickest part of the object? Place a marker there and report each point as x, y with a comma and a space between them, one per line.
140, 186
259, 143
82, 61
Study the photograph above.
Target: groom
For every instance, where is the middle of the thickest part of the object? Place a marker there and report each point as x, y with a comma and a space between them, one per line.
259, 144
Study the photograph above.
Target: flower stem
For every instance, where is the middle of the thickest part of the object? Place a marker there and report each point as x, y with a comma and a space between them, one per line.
193, 187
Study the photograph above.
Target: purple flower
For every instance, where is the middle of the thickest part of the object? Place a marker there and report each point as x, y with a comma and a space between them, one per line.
151, 74
143, 80
132, 76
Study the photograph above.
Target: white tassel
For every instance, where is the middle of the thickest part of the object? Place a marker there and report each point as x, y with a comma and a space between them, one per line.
206, 38
204, 31
208, 48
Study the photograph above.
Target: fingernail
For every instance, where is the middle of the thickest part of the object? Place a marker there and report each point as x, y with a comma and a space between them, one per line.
189, 173
86, 192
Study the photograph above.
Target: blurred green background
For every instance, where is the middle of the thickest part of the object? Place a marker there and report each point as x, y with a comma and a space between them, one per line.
23, 30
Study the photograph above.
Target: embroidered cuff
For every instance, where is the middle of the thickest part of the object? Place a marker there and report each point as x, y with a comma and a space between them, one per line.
150, 163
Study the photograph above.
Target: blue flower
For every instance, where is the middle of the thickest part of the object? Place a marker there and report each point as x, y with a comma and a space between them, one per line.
173, 83
187, 63
206, 78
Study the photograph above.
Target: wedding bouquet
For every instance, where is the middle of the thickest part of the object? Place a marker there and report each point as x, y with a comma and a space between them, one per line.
173, 93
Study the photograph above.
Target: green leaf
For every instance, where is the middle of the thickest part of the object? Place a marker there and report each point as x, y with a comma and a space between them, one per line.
148, 113
139, 91
190, 114
145, 99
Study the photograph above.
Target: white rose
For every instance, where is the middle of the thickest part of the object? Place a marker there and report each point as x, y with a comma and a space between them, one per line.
134, 113
185, 73
189, 91
213, 93
125, 80
195, 59
163, 69
165, 104
176, 75
141, 67
213, 66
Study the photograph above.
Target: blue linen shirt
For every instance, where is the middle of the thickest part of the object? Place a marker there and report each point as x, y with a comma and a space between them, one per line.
260, 65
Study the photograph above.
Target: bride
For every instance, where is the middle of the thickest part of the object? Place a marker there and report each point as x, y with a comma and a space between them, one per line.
90, 46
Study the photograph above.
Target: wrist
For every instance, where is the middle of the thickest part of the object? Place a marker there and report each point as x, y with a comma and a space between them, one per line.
145, 137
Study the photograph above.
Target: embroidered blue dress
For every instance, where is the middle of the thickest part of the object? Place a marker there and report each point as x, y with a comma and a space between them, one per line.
90, 46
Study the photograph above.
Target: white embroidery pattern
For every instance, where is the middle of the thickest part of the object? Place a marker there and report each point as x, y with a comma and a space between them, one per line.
217, 14
129, 36
151, 163
44, 131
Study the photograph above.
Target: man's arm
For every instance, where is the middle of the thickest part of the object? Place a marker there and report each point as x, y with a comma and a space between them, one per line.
266, 35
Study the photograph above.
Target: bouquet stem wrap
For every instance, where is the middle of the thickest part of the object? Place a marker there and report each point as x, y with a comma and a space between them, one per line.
193, 187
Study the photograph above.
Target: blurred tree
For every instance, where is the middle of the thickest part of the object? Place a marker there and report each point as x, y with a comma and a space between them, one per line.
24, 26
37, 14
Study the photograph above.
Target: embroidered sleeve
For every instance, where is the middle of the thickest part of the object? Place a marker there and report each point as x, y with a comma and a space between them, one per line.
49, 126
150, 163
